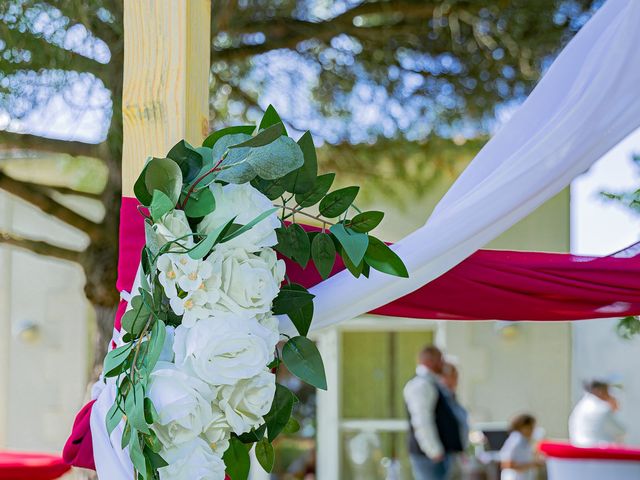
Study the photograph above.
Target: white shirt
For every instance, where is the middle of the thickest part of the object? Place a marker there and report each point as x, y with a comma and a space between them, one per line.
593, 423
421, 396
517, 449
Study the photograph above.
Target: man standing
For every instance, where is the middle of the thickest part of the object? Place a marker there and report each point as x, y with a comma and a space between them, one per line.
434, 432
594, 422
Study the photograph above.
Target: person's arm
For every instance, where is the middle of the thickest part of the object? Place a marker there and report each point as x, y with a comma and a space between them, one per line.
421, 397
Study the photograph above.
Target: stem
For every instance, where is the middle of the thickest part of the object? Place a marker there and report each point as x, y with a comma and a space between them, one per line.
200, 178
315, 217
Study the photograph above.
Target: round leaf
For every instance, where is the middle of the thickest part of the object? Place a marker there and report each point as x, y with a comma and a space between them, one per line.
165, 175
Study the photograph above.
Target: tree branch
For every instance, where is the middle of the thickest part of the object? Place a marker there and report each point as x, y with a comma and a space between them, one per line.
38, 197
25, 141
39, 247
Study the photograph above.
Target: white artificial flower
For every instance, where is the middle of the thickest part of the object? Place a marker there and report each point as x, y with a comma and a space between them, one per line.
218, 432
245, 203
249, 282
222, 350
271, 326
192, 461
195, 273
192, 307
169, 274
246, 402
183, 403
173, 226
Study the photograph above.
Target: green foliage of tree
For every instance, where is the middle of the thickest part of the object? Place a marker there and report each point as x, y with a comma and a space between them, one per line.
430, 68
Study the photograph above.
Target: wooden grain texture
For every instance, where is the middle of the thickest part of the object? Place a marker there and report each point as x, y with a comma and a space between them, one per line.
166, 79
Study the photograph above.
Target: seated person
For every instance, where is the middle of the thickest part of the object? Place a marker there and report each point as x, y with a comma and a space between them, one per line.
517, 457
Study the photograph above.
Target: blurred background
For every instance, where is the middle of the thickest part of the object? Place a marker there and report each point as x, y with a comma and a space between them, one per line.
399, 95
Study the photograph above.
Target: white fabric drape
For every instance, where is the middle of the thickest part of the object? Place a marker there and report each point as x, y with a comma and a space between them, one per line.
586, 103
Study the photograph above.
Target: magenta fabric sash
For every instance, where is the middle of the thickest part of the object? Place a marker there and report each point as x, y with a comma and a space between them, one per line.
489, 285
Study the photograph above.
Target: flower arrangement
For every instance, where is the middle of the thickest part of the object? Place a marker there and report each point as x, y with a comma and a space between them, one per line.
195, 367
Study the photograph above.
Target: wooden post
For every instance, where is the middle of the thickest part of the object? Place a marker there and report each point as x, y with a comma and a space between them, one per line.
166, 79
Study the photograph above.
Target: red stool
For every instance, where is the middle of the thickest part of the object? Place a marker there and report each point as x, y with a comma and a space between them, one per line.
31, 466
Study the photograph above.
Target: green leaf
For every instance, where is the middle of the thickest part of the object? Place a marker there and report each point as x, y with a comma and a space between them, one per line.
303, 359
188, 159
236, 458
270, 118
165, 175
150, 412
270, 162
156, 344
336, 202
200, 204
137, 457
299, 244
355, 269
365, 221
126, 436
160, 205
304, 178
383, 259
292, 426
254, 435
154, 457
300, 317
114, 417
265, 454
265, 137
290, 299
115, 359
135, 319
323, 253
206, 244
211, 140
134, 408
272, 189
140, 188
250, 225
354, 244
321, 187
278, 416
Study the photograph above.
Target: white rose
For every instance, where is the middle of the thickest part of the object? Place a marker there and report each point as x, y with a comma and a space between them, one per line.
244, 203
218, 431
192, 461
222, 350
249, 282
173, 225
246, 402
183, 403
271, 326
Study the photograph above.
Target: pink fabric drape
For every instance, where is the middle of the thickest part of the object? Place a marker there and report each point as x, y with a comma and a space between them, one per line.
496, 285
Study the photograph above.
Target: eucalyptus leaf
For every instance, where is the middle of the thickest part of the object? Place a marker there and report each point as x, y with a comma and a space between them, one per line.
160, 205
354, 244
188, 159
156, 344
140, 188
303, 359
265, 454
321, 187
323, 253
337, 202
136, 454
236, 458
134, 408
114, 417
135, 319
211, 140
200, 204
383, 259
165, 175
366, 221
281, 407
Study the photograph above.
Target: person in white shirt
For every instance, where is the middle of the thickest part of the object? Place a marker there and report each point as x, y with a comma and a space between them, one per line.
517, 457
434, 432
594, 421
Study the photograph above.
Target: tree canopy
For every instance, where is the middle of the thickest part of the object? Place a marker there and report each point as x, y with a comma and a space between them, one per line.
398, 72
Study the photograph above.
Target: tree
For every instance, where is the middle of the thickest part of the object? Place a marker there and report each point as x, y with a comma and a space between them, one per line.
353, 72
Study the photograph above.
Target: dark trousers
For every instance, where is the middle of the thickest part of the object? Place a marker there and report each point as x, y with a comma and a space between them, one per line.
426, 469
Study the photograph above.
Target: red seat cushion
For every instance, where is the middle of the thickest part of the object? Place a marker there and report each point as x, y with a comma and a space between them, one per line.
568, 451
31, 466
